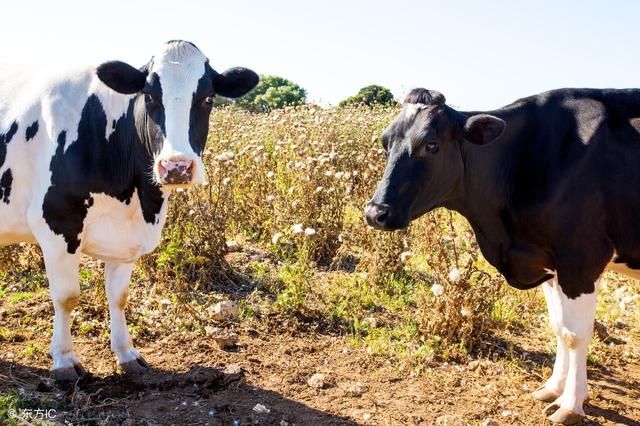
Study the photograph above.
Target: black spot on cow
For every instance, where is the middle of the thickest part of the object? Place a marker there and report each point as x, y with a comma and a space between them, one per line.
92, 164
31, 131
5, 138
154, 109
201, 106
5, 186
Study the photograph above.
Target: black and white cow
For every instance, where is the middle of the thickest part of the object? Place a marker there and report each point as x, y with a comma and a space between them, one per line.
551, 187
87, 162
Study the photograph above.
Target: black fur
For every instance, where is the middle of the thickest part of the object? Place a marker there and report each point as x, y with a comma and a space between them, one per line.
31, 131
93, 164
234, 82
557, 189
121, 77
5, 186
5, 139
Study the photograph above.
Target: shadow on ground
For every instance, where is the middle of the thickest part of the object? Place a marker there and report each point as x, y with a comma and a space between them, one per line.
201, 395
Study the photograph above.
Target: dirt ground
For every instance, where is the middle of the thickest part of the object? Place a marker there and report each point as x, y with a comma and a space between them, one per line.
195, 382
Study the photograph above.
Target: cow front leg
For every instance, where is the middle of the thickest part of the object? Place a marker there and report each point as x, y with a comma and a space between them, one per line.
64, 287
574, 324
554, 386
117, 277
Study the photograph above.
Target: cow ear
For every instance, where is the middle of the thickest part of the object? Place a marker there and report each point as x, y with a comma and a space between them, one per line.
122, 77
482, 129
235, 82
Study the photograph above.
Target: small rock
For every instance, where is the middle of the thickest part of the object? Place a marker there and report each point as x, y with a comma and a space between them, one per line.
354, 389
232, 246
261, 409
224, 338
506, 413
366, 416
317, 381
225, 310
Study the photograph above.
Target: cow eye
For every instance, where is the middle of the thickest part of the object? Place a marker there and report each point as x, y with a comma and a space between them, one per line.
150, 101
431, 147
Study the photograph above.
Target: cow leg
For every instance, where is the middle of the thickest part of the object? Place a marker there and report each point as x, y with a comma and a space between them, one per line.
117, 276
554, 386
574, 325
64, 287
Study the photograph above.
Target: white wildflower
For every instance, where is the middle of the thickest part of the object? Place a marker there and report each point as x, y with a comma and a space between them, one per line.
276, 237
455, 276
338, 175
270, 174
465, 312
319, 189
226, 181
405, 256
225, 156
297, 228
437, 289
309, 231
270, 198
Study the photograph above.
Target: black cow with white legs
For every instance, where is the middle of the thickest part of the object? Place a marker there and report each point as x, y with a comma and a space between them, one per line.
87, 161
551, 187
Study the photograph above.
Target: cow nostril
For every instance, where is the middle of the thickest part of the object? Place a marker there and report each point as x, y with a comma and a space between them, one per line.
381, 217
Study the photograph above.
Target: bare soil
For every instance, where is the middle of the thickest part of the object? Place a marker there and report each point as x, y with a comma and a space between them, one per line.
195, 382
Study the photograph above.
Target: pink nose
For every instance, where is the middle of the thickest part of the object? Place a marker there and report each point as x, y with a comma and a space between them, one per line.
175, 171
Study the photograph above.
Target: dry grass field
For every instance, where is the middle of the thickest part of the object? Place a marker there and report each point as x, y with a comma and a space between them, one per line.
411, 327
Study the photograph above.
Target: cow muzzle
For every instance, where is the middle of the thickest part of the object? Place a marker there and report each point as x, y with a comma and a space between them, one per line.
176, 170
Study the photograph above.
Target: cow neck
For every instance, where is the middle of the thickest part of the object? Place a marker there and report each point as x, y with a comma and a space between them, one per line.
487, 194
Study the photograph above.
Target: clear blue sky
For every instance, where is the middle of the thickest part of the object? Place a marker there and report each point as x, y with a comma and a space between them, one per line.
480, 54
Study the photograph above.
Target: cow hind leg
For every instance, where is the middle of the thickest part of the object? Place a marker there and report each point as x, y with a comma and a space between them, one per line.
117, 276
574, 326
64, 287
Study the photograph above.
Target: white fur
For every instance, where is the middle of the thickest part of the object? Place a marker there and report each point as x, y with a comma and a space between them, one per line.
113, 231
572, 322
179, 66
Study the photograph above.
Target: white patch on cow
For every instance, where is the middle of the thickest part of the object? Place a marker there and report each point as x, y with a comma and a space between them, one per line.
622, 268
180, 66
115, 104
572, 322
410, 110
116, 231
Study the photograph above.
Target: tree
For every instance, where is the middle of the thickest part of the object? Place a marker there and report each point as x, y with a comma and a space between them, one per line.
370, 96
271, 93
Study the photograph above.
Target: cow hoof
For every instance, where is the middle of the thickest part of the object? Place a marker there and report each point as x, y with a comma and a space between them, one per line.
544, 395
565, 416
136, 366
68, 374
550, 409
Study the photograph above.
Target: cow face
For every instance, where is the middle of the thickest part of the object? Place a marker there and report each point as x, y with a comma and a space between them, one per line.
425, 167
174, 97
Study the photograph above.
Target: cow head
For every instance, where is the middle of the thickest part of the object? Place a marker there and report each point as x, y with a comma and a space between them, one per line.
173, 100
425, 166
